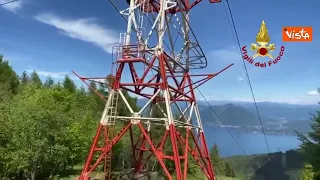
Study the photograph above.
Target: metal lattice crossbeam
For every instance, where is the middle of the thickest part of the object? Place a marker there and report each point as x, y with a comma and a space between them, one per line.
159, 60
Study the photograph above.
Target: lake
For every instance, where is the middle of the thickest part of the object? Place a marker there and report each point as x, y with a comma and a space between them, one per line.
251, 143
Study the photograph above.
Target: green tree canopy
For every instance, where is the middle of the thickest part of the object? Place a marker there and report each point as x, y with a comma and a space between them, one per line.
24, 78
220, 167
307, 173
8, 76
311, 145
35, 79
49, 82
229, 171
69, 84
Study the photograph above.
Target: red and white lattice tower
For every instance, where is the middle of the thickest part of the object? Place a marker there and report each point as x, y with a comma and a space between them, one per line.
158, 50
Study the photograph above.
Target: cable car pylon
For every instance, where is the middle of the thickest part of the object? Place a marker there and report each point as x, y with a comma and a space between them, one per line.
153, 61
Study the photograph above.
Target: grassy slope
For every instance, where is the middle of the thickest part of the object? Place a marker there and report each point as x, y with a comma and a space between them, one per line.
197, 176
249, 165
244, 165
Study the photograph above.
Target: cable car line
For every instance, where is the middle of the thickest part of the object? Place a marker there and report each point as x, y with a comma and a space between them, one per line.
232, 24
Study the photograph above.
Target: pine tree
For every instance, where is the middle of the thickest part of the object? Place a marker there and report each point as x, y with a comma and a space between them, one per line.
216, 160
49, 82
311, 145
8, 76
24, 78
35, 79
82, 90
229, 171
69, 85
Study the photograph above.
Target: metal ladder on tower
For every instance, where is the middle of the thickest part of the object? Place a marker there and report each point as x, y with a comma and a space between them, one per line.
122, 39
112, 114
144, 6
143, 16
123, 48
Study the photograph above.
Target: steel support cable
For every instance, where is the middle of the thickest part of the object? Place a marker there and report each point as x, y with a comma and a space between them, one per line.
221, 121
195, 37
198, 88
8, 2
190, 28
232, 24
114, 5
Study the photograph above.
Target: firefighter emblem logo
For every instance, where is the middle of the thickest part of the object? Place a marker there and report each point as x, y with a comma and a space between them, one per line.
262, 48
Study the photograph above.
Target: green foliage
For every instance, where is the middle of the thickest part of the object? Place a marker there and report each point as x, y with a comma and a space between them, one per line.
229, 171
221, 167
47, 128
35, 79
49, 82
69, 85
24, 78
245, 165
216, 160
42, 143
311, 145
8, 77
307, 173
251, 167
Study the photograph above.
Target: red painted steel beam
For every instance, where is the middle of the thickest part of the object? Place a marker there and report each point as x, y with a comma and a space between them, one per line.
182, 90
154, 5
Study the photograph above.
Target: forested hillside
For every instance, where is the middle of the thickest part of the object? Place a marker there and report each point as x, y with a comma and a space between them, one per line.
47, 128
278, 166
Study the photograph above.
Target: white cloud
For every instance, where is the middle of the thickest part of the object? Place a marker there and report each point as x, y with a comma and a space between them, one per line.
313, 93
301, 101
13, 6
56, 75
230, 54
82, 29
240, 79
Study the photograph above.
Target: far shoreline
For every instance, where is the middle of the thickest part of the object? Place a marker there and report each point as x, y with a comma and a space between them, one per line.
245, 129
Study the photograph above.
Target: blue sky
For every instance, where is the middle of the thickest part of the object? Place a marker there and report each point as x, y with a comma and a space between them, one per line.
54, 37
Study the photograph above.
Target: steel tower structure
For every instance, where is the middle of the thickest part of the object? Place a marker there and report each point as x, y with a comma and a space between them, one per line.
158, 50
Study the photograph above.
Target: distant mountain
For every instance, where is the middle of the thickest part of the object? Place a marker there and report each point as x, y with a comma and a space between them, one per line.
271, 110
267, 110
230, 114
276, 116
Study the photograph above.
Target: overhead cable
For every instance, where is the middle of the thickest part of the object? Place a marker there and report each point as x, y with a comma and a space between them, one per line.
232, 24
8, 2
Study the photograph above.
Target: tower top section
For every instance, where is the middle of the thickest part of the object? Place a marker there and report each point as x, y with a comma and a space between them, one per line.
154, 5
163, 27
